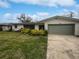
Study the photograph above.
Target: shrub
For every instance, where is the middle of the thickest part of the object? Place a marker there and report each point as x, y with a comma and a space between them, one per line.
34, 32
38, 32
25, 30
41, 32
46, 32
0, 29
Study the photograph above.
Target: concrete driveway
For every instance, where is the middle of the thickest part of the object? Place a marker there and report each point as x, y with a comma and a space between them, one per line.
63, 47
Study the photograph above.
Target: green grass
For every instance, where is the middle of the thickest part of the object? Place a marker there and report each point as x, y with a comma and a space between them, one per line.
15, 45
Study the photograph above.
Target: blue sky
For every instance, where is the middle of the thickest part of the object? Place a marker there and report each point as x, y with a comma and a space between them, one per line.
37, 9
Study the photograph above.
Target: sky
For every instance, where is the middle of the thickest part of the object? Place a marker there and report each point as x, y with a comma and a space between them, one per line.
36, 9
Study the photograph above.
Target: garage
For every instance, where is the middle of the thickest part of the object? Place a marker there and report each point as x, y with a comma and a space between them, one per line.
61, 29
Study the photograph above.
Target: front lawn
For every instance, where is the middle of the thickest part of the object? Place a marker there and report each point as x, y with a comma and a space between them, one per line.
15, 45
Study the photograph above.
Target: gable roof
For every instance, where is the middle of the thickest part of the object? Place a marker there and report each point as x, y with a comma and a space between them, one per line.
61, 17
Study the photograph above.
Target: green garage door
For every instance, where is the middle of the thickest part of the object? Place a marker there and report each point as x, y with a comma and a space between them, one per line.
62, 29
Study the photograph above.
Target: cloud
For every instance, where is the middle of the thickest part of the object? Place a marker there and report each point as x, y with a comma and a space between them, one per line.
42, 13
66, 2
12, 17
66, 12
9, 17
4, 4
75, 13
48, 2
40, 16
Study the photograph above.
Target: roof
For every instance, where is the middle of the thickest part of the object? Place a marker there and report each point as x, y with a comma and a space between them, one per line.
60, 17
9, 24
6, 24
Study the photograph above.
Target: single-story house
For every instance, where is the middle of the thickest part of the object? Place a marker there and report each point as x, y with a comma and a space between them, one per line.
54, 25
18, 26
61, 25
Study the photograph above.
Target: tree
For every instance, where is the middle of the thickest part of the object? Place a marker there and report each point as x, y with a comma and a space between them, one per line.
24, 19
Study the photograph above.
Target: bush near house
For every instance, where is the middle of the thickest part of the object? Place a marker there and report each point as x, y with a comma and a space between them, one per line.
34, 32
0, 29
25, 30
46, 32
39, 32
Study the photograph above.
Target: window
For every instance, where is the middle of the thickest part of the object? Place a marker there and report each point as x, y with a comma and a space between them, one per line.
41, 27
15, 26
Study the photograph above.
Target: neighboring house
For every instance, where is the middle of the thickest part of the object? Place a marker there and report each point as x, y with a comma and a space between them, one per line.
61, 25
18, 26
55, 25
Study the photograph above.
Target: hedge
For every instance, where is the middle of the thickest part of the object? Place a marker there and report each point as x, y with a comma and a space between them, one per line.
34, 32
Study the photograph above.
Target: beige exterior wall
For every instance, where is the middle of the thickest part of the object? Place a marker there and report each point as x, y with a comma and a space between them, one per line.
18, 27
58, 21
46, 26
77, 29
5, 28
37, 27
